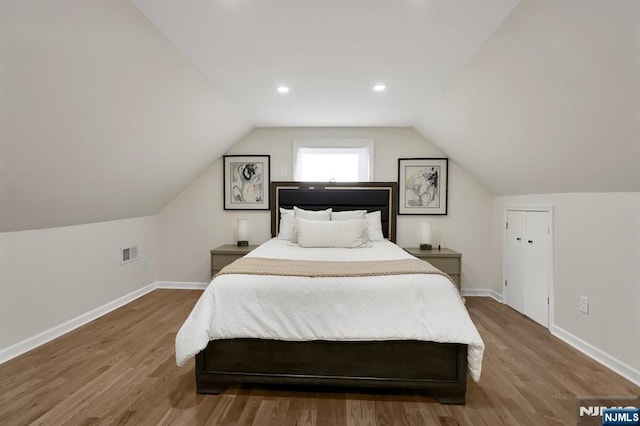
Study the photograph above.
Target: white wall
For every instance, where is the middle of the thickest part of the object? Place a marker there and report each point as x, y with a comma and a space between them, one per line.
596, 254
195, 222
49, 276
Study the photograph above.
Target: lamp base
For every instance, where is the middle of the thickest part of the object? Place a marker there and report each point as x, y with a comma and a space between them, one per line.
425, 247
243, 243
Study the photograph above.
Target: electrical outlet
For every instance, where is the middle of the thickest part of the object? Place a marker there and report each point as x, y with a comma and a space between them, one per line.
584, 304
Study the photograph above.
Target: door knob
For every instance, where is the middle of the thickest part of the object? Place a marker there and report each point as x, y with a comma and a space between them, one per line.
530, 241
519, 239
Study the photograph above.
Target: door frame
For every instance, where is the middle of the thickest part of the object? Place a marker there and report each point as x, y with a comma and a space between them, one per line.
531, 208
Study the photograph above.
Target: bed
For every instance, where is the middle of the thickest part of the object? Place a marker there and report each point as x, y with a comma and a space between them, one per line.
242, 329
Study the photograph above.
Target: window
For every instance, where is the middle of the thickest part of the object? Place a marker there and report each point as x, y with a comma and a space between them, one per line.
333, 160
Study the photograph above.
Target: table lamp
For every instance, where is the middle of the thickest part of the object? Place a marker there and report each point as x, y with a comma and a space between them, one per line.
427, 236
243, 232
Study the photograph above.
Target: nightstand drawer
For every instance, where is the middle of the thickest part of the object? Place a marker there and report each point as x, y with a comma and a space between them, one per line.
224, 255
447, 260
219, 261
448, 265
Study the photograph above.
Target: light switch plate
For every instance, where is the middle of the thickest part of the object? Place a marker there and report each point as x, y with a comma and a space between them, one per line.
584, 304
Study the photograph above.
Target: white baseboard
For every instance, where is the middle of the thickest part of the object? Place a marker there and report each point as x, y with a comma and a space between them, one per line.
586, 348
182, 285
599, 355
41, 338
482, 292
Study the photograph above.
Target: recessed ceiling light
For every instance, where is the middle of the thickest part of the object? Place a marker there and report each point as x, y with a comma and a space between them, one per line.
282, 89
379, 87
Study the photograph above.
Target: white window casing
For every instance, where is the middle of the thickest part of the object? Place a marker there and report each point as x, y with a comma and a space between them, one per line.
335, 160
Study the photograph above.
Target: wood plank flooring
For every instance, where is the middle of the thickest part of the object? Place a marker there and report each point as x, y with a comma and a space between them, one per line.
120, 369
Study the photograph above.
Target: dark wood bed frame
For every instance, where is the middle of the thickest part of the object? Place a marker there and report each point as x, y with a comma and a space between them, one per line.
437, 369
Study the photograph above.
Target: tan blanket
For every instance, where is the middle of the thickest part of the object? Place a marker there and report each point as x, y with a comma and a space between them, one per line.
321, 269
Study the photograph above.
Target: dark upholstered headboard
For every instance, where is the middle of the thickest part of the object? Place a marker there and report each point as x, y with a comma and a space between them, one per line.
370, 196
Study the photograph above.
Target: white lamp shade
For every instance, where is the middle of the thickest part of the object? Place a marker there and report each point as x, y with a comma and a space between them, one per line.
427, 233
243, 229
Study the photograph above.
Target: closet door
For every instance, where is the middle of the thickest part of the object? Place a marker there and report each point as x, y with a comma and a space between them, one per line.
515, 259
537, 267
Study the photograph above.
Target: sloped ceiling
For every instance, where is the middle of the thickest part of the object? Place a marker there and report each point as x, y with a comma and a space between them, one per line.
550, 103
330, 53
102, 117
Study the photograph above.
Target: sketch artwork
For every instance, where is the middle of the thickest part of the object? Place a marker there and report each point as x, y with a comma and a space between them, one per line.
247, 183
422, 188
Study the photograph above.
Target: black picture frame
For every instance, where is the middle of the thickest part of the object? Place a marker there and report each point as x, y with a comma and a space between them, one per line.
247, 179
423, 186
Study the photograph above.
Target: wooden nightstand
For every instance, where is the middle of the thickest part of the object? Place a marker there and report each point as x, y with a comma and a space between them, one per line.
224, 255
446, 260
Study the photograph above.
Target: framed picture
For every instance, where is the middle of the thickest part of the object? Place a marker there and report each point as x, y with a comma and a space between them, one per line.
246, 182
423, 185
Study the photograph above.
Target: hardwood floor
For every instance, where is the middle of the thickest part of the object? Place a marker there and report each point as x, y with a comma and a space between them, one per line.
120, 369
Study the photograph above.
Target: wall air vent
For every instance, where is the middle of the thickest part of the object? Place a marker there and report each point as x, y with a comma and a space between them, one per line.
128, 254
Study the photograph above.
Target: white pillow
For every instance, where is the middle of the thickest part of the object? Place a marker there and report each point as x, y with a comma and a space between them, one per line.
348, 215
374, 226
321, 215
312, 214
339, 233
286, 229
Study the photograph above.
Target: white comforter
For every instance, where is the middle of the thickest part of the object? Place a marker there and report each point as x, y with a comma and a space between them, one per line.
416, 307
